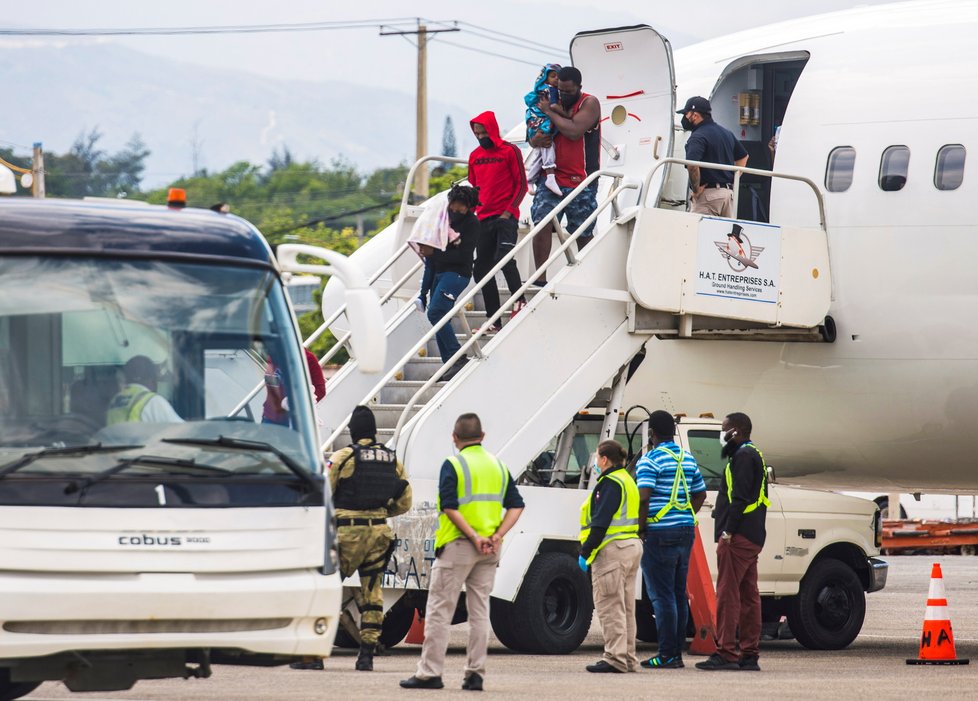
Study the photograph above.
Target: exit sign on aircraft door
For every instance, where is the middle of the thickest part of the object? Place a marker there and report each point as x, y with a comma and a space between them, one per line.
613, 46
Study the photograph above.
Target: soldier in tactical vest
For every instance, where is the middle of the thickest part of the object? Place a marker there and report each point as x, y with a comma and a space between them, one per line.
369, 485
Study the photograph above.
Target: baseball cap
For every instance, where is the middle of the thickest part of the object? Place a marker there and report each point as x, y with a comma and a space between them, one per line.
696, 104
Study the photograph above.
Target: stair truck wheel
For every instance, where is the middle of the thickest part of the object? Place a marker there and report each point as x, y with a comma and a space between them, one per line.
645, 629
14, 690
552, 612
397, 623
828, 612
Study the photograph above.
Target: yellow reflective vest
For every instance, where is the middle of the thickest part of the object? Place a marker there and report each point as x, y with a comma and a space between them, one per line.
625, 523
762, 499
482, 481
128, 404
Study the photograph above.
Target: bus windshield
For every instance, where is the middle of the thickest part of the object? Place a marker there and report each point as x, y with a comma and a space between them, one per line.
110, 363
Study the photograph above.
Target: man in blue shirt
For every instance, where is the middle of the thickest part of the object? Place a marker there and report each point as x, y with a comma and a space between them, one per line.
671, 491
712, 190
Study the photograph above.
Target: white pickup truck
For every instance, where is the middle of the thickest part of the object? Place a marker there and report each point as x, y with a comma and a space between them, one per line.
818, 563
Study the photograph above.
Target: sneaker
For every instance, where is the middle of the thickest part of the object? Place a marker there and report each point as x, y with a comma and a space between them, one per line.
473, 682
454, 370
602, 667
715, 662
489, 330
517, 308
659, 662
416, 683
748, 663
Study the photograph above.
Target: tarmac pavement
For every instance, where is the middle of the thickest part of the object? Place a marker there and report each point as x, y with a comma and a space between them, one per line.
873, 667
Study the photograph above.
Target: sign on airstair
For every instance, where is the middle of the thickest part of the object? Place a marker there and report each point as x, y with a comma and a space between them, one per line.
710, 273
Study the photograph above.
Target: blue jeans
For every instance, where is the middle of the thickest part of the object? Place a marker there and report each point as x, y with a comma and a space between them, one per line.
446, 291
665, 562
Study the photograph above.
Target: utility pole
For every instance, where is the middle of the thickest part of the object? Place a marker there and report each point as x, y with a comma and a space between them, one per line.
37, 170
421, 106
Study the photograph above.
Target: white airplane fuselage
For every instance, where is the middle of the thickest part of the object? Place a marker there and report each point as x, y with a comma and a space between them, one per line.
892, 404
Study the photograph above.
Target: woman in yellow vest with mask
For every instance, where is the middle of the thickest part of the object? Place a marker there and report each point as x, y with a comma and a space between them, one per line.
611, 548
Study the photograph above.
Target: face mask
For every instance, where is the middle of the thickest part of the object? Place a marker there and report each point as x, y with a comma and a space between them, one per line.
596, 470
567, 101
455, 218
726, 447
687, 125
486, 142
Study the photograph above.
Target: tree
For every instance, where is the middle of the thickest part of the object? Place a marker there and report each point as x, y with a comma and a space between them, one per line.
448, 145
86, 170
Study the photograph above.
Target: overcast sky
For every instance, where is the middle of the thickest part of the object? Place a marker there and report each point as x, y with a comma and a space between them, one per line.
473, 80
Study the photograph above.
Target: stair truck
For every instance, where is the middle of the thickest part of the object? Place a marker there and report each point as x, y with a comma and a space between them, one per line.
652, 273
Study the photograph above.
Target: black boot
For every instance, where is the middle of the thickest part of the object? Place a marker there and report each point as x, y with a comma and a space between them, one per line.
365, 660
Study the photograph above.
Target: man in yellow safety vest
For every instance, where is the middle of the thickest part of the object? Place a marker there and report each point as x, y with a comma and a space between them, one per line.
739, 531
610, 546
479, 503
138, 400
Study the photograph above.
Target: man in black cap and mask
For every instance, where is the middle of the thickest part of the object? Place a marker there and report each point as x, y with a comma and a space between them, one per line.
369, 485
712, 190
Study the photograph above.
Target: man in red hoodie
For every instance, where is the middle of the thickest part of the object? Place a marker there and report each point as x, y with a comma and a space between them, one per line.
496, 168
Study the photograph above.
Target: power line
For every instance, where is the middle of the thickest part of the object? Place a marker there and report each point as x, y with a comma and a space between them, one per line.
214, 29
488, 53
545, 47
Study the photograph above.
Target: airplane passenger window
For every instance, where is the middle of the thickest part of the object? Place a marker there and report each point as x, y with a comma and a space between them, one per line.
893, 168
949, 168
838, 171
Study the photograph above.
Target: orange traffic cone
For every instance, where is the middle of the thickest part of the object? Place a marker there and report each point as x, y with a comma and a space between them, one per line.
937, 640
415, 635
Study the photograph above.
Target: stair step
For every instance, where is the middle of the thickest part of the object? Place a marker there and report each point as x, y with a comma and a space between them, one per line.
504, 294
401, 392
388, 414
383, 436
421, 368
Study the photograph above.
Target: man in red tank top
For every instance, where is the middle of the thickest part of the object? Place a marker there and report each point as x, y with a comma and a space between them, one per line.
577, 147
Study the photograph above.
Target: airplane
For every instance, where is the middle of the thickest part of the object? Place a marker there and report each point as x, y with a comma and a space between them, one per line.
877, 105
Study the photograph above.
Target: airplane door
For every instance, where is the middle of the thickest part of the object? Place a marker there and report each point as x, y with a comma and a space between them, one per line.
630, 71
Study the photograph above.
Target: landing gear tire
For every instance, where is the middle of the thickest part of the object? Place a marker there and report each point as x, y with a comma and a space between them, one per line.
828, 612
552, 613
14, 690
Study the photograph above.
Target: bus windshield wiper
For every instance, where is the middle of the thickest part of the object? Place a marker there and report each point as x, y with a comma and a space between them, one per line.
66, 451
142, 460
258, 446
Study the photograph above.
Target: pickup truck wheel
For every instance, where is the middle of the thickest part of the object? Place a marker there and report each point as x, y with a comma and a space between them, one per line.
14, 690
552, 612
828, 612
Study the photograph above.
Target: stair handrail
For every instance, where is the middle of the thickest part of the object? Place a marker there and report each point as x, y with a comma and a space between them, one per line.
332, 318
467, 297
321, 329
612, 196
738, 171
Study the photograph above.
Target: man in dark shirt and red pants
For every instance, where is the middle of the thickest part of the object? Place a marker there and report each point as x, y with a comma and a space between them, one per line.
739, 518
496, 168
